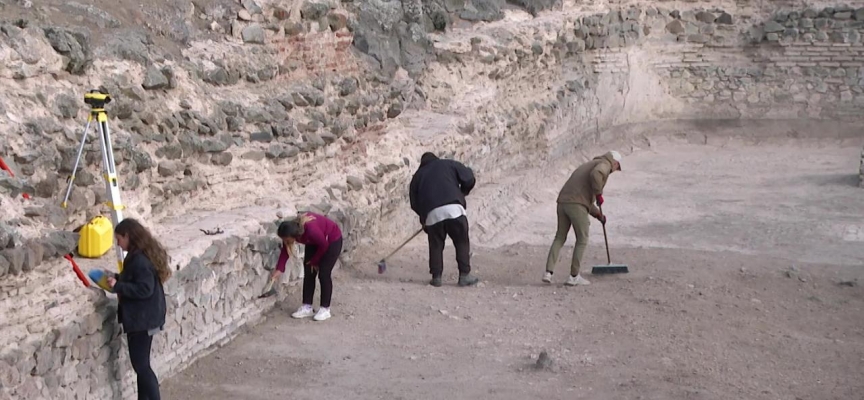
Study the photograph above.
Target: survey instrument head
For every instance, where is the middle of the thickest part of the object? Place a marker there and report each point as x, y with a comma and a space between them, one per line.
97, 99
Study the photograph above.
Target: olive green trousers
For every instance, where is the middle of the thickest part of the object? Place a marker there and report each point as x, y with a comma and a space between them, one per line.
575, 215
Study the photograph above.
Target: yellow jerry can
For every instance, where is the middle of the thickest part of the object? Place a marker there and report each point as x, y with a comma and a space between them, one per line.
96, 237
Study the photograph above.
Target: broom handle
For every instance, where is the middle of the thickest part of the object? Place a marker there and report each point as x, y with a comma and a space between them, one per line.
404, 243
605, 239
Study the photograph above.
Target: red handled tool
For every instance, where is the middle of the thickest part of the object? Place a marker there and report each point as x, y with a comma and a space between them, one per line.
77, 270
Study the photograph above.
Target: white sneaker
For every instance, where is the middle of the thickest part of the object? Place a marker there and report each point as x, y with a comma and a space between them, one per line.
323, 314
576, 280
547, 277
305, 311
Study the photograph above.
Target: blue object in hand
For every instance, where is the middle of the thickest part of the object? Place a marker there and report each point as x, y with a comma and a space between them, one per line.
100, 278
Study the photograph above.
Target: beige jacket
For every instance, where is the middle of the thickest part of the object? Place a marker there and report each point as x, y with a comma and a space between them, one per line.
586, 182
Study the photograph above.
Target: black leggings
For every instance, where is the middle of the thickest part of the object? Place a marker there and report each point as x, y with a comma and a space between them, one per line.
325, 269
139, 356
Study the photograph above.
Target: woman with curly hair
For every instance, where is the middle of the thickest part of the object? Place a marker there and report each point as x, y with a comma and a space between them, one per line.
323, 240
141, 298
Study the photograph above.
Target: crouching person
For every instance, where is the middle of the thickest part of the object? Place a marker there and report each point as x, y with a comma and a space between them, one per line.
323, 240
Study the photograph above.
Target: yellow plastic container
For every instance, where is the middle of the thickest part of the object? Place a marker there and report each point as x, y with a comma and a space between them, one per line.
96, 237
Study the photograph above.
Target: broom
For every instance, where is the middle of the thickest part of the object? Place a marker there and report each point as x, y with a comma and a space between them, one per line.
609, 268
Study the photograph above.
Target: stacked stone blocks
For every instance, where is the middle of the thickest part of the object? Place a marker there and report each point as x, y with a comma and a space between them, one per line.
85, 355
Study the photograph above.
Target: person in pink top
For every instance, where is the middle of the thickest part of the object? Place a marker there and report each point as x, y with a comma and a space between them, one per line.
323, 240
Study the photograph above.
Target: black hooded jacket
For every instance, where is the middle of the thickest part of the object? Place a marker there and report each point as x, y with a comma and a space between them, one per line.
140, 293
439, 182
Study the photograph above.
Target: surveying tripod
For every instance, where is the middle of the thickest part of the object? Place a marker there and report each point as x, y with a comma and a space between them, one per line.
97, 101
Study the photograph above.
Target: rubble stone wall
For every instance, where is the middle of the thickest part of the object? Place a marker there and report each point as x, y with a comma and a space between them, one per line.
63, 341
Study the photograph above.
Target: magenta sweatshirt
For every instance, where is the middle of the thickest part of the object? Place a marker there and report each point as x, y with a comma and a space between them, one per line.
319, 232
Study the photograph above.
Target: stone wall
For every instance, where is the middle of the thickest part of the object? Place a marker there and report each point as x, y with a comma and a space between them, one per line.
233, 116
21, 255
799, 64
62, 340
713, 64
641, 64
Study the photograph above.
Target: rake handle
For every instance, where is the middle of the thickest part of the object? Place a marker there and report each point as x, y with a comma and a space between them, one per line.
403, 244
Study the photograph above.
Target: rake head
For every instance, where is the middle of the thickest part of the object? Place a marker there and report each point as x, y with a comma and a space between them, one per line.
382, 266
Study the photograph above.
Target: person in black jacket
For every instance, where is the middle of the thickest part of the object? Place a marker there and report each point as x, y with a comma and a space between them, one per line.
437, 194
141, 298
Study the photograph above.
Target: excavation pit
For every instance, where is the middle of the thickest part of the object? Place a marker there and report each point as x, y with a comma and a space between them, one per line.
739, 252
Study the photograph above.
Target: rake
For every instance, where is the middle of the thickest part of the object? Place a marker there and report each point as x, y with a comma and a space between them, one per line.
382, 265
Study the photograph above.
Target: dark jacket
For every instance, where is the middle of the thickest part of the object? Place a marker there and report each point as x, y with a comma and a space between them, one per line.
439, 182
140, 294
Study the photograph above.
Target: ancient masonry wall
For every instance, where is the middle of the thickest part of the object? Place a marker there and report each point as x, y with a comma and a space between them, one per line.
603, 75
68, 343
798, 64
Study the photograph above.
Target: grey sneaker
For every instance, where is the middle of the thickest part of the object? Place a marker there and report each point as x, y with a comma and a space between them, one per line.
468, 280
436, 281
577, 280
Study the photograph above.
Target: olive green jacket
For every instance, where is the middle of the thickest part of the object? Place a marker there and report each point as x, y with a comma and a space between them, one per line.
586, 182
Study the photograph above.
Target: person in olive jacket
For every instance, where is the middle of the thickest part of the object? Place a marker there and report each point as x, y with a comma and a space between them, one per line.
141, 298
576, 202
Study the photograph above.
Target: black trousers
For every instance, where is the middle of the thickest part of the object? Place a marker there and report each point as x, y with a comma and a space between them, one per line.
457, 229
324, 273
139, 356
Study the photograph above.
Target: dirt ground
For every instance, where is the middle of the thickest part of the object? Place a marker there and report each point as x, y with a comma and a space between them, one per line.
747, 265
